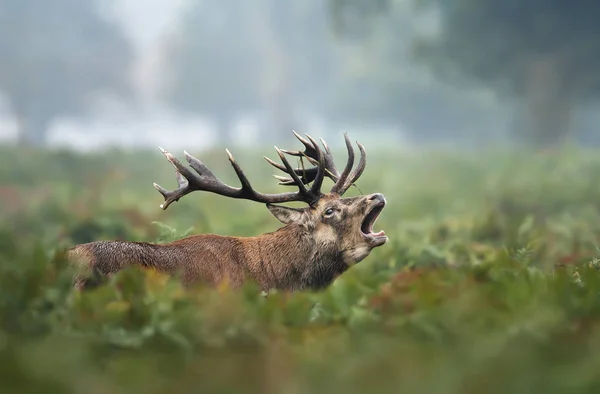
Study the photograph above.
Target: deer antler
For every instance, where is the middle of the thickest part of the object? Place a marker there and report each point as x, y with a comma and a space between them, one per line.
311, 154
342, 182
205, 180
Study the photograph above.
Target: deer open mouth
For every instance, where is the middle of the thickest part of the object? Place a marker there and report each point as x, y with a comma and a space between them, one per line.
367, 225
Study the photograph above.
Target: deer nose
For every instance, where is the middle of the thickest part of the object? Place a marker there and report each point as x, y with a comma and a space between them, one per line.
377, 196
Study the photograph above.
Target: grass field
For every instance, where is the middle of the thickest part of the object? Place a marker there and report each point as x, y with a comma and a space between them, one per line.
489, 283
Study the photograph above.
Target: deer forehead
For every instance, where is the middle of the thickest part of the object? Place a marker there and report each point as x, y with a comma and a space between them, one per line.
334, 200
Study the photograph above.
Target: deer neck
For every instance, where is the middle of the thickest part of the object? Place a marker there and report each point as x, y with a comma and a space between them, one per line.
289, 259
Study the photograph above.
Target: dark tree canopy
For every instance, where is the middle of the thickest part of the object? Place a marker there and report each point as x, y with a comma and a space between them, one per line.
55, 53
543, 53
380, 82
497, 41
546, 53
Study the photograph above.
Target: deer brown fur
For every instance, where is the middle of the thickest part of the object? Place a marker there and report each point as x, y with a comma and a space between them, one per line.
317, 244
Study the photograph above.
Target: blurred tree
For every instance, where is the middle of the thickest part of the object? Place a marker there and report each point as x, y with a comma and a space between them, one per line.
214, 63
54, 55
298, 37
348, 17
232, 56
379, 82
541, 52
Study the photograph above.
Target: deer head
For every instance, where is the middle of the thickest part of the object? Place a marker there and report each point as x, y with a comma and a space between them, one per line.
338, 227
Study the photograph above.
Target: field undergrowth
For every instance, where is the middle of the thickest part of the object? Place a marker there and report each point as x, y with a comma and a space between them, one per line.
489, 282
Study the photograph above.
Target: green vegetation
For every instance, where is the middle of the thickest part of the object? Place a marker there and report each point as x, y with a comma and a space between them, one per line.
488, 284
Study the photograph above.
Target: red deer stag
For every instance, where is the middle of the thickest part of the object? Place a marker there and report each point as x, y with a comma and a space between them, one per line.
318, 242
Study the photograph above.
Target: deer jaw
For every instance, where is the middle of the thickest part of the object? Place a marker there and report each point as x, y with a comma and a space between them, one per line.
340, 229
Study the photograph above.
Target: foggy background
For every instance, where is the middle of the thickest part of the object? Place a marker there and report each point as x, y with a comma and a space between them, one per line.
203, 73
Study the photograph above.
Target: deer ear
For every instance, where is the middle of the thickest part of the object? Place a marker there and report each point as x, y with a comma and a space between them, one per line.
286, 215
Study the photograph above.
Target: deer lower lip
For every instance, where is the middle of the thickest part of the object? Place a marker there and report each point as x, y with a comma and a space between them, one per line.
367, 225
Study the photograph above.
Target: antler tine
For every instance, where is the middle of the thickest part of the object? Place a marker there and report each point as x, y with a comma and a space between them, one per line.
171, 196
183, 176
304, 174
362, 164
339, 186
307, 145
308, 175
325, 145
318, 181
205, 180
238, 171
291, 171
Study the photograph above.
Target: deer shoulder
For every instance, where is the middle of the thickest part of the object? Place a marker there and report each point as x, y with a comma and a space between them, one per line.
316, 244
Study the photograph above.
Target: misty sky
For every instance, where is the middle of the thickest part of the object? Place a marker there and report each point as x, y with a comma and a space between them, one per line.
147, 23
147, 20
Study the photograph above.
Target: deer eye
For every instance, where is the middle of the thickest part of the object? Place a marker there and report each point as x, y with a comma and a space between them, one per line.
329, 212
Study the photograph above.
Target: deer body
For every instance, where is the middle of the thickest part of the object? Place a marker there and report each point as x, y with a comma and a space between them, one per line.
215, 259
317, 244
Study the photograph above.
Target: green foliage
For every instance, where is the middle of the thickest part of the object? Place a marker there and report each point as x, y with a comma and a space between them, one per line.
489, 283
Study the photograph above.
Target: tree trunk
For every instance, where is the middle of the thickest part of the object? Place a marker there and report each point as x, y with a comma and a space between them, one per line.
283, 119
548, 104
33, 130
278, 100
224, 130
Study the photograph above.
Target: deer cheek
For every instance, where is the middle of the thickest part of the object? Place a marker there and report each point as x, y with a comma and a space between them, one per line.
326, 234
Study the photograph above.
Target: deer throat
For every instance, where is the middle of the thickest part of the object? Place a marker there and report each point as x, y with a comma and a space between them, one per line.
322, 271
